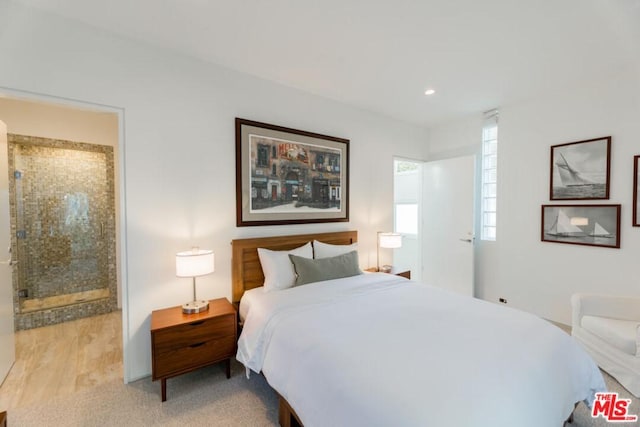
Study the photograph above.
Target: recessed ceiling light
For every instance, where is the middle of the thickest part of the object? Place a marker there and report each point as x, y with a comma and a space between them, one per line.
429, 92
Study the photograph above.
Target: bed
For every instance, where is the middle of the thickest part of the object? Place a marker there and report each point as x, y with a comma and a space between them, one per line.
376, 349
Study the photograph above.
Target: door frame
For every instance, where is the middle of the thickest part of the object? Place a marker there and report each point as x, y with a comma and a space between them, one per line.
121, 219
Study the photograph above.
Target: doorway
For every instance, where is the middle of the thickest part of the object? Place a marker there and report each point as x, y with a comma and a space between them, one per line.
64, 120
56, 151
434, 210
407, 211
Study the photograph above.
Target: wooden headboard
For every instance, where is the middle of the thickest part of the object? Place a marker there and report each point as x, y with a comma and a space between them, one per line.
246, 272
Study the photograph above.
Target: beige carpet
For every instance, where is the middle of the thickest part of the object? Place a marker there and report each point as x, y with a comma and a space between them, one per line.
201, 398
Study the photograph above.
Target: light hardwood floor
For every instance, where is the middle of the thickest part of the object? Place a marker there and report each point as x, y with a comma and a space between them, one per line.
62, 359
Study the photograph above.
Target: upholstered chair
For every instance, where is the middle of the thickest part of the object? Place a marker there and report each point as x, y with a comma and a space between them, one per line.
609, 329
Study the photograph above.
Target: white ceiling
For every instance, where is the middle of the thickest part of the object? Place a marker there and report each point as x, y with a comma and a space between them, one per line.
381, 55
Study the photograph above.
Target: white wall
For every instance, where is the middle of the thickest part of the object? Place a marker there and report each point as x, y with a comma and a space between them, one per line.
539, 276
179, 151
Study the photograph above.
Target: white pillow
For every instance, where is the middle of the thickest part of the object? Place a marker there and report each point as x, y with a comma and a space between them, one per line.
325, 250
277, 267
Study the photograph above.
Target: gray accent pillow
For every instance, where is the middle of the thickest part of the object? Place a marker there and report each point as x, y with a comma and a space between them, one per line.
317, 270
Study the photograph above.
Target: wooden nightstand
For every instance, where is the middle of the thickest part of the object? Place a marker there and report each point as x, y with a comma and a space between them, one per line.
396, 271
181, 343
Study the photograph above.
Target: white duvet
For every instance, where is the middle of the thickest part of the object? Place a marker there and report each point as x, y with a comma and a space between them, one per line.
379, 350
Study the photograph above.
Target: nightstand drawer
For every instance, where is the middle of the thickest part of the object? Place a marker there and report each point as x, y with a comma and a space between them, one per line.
200, 353
187, 334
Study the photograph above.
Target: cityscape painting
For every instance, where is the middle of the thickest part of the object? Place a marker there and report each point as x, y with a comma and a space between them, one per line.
580, 170
288, 176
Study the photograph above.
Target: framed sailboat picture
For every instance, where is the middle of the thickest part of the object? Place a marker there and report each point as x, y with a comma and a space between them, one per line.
580, 170
636, 191
592, 225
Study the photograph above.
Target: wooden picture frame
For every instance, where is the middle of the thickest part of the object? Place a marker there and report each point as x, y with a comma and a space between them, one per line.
636, 191
591, 225
580, 170
289, 176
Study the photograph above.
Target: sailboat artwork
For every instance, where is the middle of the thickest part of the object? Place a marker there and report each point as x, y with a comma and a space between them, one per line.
593, 225
599, 231
569, 176
580, 170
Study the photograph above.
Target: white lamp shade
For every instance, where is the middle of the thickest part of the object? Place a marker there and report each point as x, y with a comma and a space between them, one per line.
194, 263
390, 240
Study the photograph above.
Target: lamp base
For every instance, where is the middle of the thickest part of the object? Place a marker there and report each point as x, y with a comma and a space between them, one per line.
195, 307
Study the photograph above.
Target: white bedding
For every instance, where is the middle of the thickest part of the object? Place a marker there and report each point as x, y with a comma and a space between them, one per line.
247, 300
379, 350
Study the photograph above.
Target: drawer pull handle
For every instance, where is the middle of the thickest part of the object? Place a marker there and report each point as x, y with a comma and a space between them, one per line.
196, 323
196, 345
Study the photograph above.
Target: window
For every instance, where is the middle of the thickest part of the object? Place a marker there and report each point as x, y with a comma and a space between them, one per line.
263, 156
489, 175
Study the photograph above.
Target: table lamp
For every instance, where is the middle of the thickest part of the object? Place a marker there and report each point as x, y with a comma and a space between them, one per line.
388, 241
194, 263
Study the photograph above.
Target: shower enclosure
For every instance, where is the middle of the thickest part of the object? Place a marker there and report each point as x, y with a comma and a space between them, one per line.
62, 207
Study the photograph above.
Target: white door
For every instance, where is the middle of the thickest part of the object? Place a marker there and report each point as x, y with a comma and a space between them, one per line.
7, 343
447, 223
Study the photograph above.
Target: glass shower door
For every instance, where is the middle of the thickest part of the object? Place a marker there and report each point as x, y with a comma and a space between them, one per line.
64, 222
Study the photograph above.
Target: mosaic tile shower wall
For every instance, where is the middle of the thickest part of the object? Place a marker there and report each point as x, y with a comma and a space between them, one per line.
63, 230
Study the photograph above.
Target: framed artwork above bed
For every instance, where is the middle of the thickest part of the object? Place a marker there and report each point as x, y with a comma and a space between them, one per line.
289, 176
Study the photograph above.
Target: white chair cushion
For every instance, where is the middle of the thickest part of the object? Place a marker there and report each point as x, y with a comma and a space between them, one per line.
619, 333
